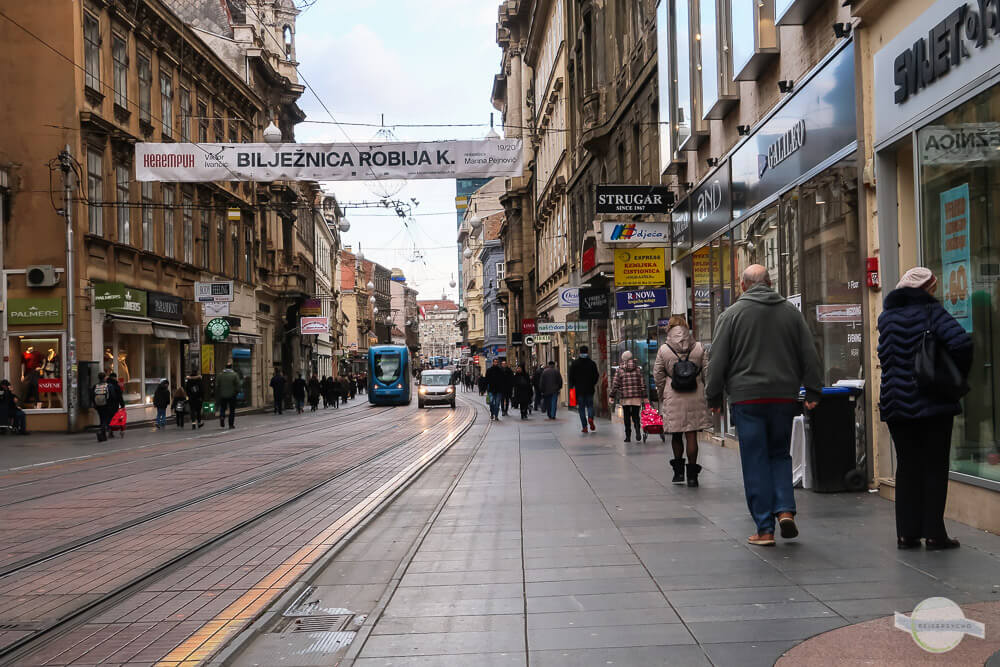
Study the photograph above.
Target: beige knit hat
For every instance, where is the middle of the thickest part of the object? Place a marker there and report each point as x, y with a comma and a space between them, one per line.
918, 276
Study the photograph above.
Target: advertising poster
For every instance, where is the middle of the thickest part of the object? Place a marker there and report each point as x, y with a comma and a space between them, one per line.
956, 266
639, 267
640, 299
595, 303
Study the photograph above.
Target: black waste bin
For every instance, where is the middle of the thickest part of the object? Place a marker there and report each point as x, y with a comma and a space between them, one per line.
832, 442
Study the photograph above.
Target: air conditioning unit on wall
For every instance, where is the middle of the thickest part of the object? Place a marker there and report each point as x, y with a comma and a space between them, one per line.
41, 275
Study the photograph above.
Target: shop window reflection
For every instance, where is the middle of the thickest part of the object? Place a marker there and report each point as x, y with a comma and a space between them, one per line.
965, 176
156, 365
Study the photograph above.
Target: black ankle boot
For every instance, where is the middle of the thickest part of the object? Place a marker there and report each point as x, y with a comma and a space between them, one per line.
692, 470
678, 465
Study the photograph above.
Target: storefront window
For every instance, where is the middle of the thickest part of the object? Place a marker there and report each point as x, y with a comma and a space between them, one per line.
129, 368
157, 365
701, 286
243, 365
960, 243
831, 270
36, 371
756, 242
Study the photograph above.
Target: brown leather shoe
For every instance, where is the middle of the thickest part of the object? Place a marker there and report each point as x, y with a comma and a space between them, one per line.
786, 522
761, 540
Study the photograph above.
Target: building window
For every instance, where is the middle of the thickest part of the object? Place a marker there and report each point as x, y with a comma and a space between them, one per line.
220, 241
286, 34
217, 126
121, 189
205, 240
247, 255
235, 238
184, 119
145, 88
146, 192
95, 192
233, 134
500, 272
501, 322
166, 102
202, 122
119, 55
187, 221
169, 247
92, 51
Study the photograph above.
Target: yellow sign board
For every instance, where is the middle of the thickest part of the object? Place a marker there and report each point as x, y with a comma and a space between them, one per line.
640, 267
707, 263
208, 360
234, 214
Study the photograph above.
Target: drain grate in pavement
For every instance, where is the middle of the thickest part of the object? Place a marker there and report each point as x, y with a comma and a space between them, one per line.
321, 623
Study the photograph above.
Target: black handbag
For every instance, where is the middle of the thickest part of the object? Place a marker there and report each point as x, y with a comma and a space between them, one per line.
935, 370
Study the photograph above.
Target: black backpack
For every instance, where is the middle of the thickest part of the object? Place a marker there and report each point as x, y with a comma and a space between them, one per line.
685, 377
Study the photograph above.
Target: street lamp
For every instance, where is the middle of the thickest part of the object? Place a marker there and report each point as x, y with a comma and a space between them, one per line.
475, 222
370, 286
467, 253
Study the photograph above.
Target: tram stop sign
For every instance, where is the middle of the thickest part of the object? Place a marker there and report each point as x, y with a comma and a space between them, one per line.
529, 340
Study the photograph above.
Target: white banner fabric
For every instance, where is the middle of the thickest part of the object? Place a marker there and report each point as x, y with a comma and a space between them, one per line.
190, 163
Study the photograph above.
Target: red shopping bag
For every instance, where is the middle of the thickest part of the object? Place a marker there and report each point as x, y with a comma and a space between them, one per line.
572, 397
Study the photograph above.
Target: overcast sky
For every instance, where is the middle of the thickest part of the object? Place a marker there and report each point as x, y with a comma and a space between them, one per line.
415, 61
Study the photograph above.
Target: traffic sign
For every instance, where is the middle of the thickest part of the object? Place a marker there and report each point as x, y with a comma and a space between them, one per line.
529, 340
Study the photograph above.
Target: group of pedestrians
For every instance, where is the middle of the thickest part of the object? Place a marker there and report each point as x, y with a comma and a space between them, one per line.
330, 390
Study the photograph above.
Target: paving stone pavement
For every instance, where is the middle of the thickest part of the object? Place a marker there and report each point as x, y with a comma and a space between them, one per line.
558, 548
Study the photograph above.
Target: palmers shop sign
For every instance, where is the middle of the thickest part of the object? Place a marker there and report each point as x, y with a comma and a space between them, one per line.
172, 162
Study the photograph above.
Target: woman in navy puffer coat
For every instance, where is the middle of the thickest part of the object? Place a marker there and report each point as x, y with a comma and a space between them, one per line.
920, 423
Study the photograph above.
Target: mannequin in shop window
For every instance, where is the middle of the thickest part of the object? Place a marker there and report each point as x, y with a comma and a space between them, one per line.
32, 361
109, 361
50, 369
123, 375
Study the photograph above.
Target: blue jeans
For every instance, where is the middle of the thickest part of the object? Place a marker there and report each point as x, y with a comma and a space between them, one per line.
585, 404
765, 432
161, 417
551, 402
495, 400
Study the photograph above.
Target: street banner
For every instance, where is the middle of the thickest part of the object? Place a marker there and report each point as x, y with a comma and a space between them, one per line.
314, 325
956, 269
595, 303
636, 232
634, 199
569, 297
189, 163
311, 308
640, 299
639, 267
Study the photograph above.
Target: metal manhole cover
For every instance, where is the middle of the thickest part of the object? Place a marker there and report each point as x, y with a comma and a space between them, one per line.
324, 623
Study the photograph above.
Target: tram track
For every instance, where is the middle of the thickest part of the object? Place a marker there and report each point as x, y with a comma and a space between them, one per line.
337, 419
14, 568
40, 636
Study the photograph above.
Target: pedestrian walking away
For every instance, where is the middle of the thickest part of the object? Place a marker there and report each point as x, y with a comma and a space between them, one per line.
196, 398
762, 353
227, 387
551, 384
522, 391
496, 383
536, 384
314, 392
299, 393
335, 391
278, 391
583, 378
161, 401
114, 401
629, 389
508, 387
918, 409
180, 405
100, 398
679, 372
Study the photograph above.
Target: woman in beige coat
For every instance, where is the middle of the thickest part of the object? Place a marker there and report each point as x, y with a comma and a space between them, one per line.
683, 412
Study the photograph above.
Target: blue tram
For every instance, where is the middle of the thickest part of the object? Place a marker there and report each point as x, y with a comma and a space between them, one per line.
389, 375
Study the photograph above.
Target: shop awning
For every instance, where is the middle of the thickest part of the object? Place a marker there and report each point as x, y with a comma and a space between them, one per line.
172, 331
132, 325
244, 339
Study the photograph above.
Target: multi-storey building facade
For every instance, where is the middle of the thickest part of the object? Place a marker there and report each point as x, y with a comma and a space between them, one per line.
438, 331
496, 299
106, 77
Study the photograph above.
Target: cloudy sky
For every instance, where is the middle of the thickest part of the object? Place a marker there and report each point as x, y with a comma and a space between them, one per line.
416, 62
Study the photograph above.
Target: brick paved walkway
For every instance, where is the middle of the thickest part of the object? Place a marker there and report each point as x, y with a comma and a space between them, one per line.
577, 550
223, 587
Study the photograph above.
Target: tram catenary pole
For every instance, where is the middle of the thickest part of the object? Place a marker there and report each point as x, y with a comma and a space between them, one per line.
65, 160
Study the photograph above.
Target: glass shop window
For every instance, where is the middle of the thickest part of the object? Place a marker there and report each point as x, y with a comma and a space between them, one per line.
37, 371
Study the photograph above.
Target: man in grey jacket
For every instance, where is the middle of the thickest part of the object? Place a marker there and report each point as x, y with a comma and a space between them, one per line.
762, 353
